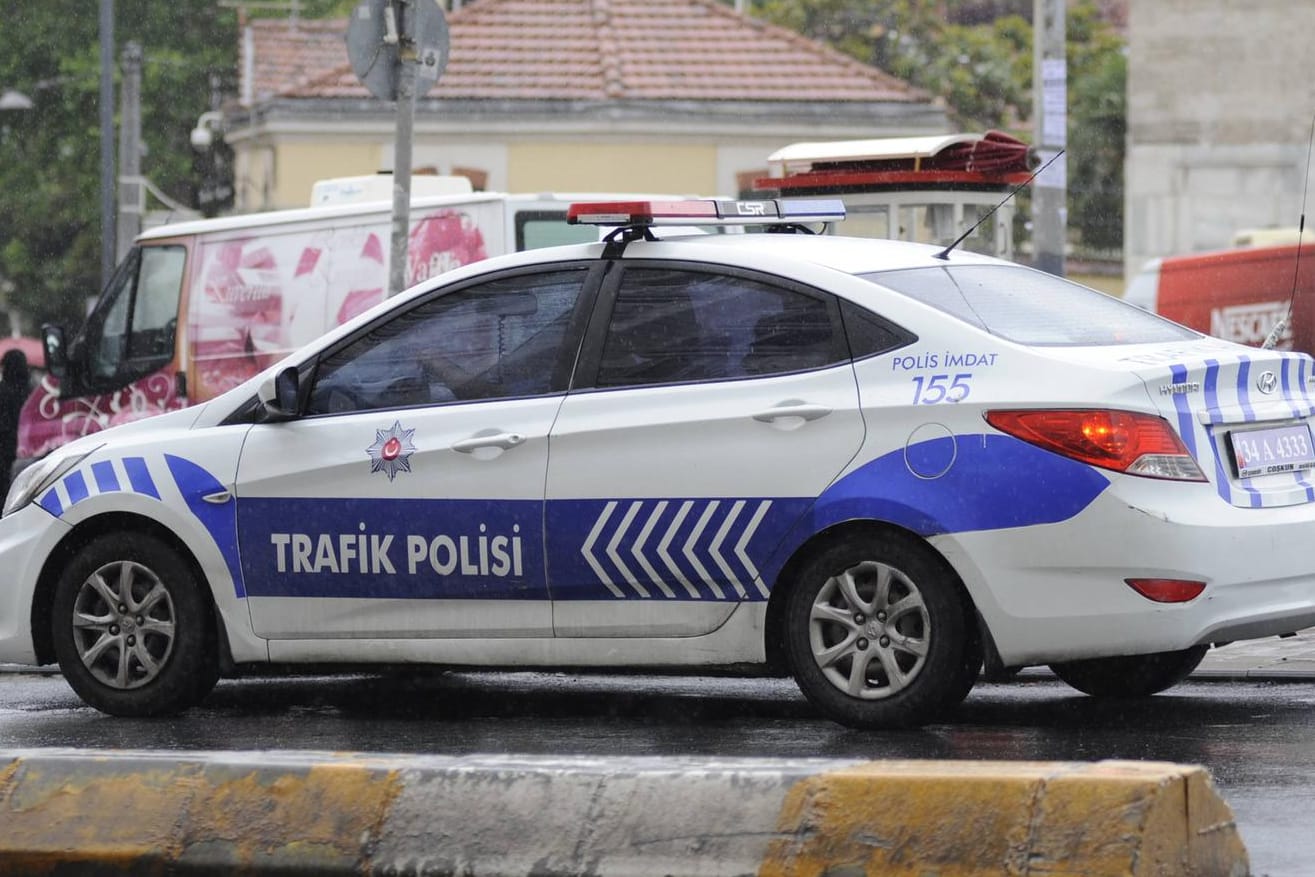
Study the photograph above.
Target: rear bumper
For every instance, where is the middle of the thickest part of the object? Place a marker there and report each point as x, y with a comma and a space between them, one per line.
1057, 592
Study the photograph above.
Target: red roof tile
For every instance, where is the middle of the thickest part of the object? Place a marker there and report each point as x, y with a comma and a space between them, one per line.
588, 50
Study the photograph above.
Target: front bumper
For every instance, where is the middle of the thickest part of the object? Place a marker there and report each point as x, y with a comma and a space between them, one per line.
1056, 592
27, 537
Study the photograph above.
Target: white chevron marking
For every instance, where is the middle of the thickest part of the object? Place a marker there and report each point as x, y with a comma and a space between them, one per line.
715, 550
616, 558
666, 541
587, 550
638, 549
693, 559
749, 530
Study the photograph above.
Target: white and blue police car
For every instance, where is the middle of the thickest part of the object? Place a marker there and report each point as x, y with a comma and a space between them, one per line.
874, 465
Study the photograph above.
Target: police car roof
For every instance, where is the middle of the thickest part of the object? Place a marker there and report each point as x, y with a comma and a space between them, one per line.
846, 254
849, 254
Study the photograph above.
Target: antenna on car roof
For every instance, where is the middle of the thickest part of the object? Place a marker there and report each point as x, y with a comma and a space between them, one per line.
1272, 338
945, 253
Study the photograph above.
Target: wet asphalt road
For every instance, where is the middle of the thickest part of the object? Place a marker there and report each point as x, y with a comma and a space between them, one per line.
1257, 739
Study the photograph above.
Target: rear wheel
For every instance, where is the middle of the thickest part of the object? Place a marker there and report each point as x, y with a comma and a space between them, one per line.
133, 632
1130, 675
877, 633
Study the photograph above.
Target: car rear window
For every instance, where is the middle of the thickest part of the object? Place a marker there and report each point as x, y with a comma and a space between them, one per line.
1029, 306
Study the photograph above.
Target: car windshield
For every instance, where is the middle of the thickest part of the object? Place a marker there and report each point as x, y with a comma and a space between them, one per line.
1030, 307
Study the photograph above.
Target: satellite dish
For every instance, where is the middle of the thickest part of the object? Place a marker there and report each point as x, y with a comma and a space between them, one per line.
372, 44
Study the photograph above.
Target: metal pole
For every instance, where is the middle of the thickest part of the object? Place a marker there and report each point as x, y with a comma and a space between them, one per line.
131, 196
406, 89
1050, 112
107, 217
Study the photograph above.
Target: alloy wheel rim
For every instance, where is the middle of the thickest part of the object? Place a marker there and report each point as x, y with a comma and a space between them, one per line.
869, 631
123, 625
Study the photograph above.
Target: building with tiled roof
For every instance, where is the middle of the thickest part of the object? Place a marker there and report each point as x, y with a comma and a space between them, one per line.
583, 95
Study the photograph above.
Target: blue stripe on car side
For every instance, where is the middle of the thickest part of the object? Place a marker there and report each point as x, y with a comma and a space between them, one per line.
413, 549
995, 482
1302, 363
50, 502
220, 520
1286, 384
1223, 482
140, 477
76, 487
1249, 414
1186, 425
106, 480
1294, 399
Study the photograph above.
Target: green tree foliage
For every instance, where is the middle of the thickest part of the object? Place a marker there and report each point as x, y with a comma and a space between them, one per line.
1097, 128
50, 235
977, 56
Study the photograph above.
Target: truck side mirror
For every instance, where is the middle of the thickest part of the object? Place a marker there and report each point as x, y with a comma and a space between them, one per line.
52, 345
281, 396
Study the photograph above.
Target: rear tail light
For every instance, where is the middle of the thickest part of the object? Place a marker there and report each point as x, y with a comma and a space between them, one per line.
1125, 441
1167, 590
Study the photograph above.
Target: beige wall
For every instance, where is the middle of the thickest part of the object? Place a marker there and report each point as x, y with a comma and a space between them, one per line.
300, 165
648, 167
529, 167
253, 176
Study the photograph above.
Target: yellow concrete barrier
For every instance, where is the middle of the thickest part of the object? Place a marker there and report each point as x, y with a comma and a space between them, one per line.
953, 819
64, 811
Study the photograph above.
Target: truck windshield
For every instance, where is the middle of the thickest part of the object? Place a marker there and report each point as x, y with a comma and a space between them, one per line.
131, 332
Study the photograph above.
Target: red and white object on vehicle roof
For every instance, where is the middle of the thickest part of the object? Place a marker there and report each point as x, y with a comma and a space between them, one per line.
921, 189
991, 159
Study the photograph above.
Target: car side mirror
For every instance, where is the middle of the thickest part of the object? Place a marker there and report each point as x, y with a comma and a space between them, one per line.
281, 396
52, 345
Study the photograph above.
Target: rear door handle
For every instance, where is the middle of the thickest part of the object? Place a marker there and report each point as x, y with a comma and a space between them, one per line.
500, 440
794, 410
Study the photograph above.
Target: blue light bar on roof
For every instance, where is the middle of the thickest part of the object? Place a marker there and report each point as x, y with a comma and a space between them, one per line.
831, 208
706, 211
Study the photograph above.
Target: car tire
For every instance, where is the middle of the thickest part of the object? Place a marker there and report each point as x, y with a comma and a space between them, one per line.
133, 631
1130, 675
862, 664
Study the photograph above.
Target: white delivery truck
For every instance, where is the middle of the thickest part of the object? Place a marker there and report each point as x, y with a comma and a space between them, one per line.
197, 307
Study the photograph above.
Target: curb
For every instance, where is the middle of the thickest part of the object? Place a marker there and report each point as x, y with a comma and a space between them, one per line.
65, 811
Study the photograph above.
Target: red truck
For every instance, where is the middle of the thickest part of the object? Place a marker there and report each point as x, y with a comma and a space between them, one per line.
1239, 294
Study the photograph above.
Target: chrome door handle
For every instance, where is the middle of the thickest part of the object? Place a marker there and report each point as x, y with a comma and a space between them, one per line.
500, 440
801, 410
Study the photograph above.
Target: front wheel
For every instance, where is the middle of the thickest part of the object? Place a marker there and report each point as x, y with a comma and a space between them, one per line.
133, 631
1130, 675
877, 633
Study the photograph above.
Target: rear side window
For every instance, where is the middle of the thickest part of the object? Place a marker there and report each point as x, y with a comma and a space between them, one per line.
870, 335
676, 326
1029, 306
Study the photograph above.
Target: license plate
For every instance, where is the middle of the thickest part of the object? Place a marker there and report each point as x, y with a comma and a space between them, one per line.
1274, 449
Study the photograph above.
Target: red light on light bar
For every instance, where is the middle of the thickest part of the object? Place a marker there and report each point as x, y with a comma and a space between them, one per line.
1167, 590
639, 212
